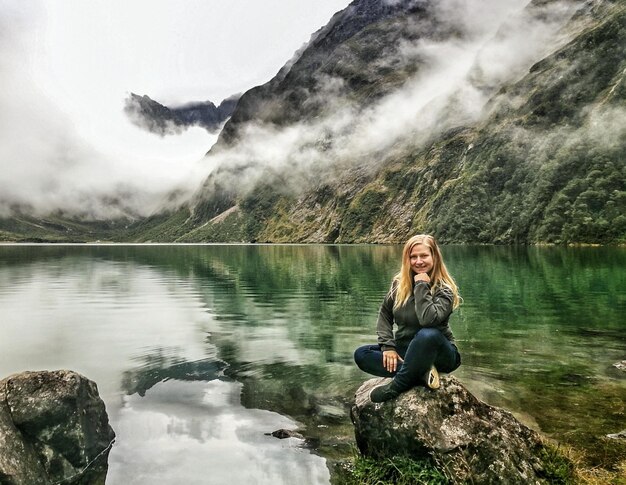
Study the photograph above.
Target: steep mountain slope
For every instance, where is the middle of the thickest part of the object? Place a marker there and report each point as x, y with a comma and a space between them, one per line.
349, 53
457, 117
542, 162
548, 163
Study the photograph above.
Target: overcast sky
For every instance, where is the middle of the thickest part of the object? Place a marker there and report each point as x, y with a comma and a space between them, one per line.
174, 50
66, 67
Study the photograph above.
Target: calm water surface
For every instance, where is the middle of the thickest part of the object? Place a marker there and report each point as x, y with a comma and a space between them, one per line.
198, 351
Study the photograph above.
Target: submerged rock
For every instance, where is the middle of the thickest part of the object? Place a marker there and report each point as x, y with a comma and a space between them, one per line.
621, 365
53, 428
472, 441
285, 433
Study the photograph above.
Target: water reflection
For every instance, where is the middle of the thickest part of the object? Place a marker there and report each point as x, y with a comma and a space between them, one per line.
142, 334
199, 433
164, 364
539, 330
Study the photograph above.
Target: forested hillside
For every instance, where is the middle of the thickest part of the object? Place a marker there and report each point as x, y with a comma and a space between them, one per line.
543, 162
419, 116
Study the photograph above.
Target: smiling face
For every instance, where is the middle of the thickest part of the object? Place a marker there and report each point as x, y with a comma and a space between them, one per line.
421, 259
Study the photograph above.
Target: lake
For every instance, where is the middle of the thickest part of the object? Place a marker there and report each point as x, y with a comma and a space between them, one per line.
199, 351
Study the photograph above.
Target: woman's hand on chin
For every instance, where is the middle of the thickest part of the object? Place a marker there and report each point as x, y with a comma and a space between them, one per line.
421, 277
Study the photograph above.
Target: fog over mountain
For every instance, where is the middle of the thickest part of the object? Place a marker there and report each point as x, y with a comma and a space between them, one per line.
454, 54
66, 68
161, 120
478, 120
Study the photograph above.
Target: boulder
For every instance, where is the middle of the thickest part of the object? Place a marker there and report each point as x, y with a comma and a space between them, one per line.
53, 428
471, 441
282, 433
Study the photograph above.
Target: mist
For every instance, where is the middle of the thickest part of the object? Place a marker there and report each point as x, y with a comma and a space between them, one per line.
499, 41
66, 145
61, 154
66, 68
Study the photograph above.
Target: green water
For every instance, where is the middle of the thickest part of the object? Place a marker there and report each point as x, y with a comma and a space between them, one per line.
274, 328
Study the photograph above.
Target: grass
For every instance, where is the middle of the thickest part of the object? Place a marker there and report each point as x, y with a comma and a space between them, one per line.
586, 473
398, 470
563, 465
558, 469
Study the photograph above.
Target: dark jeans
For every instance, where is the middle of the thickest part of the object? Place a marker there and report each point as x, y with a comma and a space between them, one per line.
428, 347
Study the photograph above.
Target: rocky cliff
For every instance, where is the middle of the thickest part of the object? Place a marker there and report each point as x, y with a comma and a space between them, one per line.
157, 118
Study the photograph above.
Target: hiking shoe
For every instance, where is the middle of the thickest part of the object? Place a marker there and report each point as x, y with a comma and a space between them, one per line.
384, 393
432, 378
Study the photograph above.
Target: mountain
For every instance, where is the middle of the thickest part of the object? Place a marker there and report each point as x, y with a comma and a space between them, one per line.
156, 118
479, 121
541, 161
58, 228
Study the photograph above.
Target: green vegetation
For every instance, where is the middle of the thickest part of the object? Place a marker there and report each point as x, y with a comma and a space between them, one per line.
57, 228
403, 470
228, 229
362, 213
545, 163
399, 470
258, 206
162, 227
557, 469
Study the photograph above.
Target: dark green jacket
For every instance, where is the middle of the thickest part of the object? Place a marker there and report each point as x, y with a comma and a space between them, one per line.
421, 310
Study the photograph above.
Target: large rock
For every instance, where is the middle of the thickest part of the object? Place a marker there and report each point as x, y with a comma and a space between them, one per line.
472, 441
53, 428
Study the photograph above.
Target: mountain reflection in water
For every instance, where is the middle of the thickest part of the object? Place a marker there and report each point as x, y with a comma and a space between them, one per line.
198, 433
198, 351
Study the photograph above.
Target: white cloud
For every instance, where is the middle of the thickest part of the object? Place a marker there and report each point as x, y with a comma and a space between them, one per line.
455, 79
66, 68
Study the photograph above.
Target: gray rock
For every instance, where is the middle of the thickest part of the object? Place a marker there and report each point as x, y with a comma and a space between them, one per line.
621, 365
618, 436
152, 116
53, 428
472, 441
285, 433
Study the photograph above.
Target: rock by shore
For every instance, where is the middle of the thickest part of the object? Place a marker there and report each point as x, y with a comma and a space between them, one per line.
621, 365
53, 429
470, 440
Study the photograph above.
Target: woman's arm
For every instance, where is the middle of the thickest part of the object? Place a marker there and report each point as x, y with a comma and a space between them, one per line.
432, 310
384, 325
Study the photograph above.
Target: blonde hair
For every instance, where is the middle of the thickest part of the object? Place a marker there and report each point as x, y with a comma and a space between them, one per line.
439, 276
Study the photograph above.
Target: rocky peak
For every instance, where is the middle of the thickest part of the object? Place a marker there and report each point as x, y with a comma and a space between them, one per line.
358, 15
152, 116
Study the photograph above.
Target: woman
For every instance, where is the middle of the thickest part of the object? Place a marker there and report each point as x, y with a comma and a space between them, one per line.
420, 301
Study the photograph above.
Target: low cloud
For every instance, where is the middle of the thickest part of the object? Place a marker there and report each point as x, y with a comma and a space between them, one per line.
606, 127
87, 161
106, 168
494, 41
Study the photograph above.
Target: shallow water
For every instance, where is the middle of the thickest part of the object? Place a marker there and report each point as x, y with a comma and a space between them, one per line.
198, 351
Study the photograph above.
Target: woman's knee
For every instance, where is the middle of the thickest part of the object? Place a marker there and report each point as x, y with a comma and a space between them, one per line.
360, 355
429, 336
